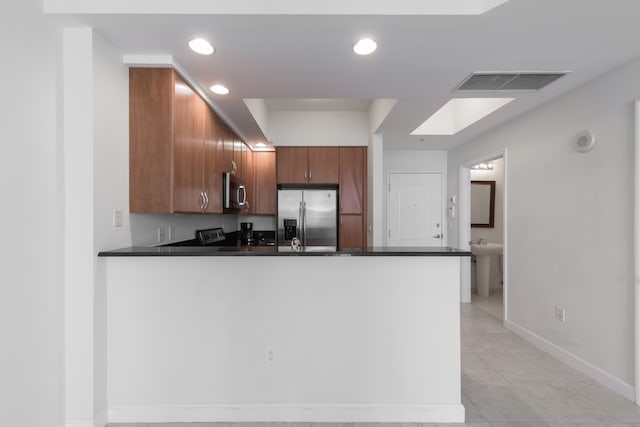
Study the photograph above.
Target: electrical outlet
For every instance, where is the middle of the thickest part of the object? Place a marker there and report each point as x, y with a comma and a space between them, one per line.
560, 314
161, 235
117, 218
270, 355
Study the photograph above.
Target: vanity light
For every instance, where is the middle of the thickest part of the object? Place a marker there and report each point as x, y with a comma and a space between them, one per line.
219, 89
483, 166
201, 46
365, 47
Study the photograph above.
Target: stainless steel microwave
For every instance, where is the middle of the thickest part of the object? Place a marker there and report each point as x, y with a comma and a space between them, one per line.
234, 192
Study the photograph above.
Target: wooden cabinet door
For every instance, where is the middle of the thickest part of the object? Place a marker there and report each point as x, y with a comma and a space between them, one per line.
353, 175
249, 177
227, 151
291, 165
150, 144
188, 148
324, 165
237, 155
213, 146
352, 232
265, 183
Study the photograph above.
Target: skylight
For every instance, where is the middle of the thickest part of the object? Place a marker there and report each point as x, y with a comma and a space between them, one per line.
459, 113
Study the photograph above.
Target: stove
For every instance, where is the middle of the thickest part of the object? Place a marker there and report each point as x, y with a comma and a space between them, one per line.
217, 237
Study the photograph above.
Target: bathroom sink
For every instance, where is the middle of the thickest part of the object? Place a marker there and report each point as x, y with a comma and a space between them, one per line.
487, 249
483, 264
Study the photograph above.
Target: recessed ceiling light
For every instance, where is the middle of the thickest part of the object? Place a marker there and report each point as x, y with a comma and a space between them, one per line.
201, 46
365, 47
219, 89
459, 113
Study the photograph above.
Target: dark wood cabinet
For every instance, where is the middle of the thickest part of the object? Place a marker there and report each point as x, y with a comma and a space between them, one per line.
353, 178
323, 165
248, 175
352, 232
188, 149
178, 147
291, 165
166, 143
265, 195
213, 146
308, 165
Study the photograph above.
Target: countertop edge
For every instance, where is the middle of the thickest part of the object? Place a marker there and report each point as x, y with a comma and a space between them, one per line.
209, 252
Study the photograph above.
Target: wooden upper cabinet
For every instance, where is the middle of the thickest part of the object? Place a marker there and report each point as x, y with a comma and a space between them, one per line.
308, 165
188, 148
178, 147
166, 143
248, 173
238, 148
323, 165
353, 178
213, 146
150, 140
264, 198
227, 152
291, 165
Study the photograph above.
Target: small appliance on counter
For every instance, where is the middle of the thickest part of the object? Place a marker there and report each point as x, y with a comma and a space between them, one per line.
246, 232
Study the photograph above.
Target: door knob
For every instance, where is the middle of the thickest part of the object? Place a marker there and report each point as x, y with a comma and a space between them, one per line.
437, 236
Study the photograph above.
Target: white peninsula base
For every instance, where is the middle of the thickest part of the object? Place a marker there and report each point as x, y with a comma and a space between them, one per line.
323, 339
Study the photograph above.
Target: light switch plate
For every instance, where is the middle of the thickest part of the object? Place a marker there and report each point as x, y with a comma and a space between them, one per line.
117, 218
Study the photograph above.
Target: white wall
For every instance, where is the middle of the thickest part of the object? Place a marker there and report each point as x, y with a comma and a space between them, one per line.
319, 128
413, 161
570, 228
111, 188
31, 372
187, 339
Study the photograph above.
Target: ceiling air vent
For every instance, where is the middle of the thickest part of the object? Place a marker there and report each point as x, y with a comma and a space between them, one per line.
507, 81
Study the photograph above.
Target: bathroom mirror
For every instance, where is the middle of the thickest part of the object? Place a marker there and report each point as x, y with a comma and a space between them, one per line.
483, 199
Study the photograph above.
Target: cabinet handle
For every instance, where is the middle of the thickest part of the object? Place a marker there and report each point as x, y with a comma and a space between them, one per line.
234, 167
340, 221
305, 175
206, 201
309, 175
201, 200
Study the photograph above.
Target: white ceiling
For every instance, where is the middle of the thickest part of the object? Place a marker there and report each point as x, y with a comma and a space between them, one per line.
419, 61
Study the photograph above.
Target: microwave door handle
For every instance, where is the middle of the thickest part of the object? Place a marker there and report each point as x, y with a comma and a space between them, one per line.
241, 200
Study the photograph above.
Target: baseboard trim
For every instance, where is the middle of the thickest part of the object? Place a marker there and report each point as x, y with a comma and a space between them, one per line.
453, 413
587, 368
79, 423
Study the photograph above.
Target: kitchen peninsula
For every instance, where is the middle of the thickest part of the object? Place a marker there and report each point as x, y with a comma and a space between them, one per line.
237, 334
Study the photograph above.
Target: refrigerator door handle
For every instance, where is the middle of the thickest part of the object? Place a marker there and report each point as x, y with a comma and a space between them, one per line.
304, 223
300, 222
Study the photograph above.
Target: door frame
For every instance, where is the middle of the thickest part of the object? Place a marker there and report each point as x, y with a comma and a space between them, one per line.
443, 199
636, 249
464, 225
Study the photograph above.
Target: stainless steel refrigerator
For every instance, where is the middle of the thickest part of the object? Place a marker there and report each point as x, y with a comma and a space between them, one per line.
308, 215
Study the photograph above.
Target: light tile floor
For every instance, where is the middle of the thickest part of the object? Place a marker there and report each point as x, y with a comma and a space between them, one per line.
506, 382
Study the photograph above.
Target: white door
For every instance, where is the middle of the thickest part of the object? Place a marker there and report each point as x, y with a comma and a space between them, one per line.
414, 209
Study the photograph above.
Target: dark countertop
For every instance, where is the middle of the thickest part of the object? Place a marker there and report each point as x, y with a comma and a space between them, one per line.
273, 251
